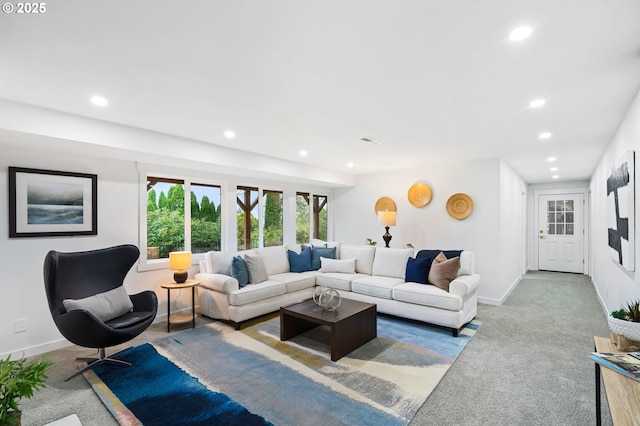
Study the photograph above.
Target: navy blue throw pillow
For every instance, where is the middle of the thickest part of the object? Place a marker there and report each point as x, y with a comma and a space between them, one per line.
418, 270
239, 271
300, 262
318, 252
432, 254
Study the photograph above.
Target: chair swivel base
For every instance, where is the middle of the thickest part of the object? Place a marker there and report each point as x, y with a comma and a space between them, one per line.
94, 362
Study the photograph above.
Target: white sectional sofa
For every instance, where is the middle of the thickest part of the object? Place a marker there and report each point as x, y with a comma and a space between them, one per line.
370, 274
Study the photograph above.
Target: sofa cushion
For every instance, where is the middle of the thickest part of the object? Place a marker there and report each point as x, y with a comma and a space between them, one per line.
219, 262
427, 295
275, 259
417, 270
295, 281
337, 280
450, 254
390, 262
300, 262
104, 306
363, 255
239, 271
467, 261
257, 269
443, 271
254, 293
376, 286
346, 266
318, 252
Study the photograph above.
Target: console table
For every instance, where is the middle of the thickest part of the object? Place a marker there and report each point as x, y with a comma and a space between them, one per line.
623, 393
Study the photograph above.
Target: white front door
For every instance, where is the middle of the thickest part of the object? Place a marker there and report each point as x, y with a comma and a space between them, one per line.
561, 233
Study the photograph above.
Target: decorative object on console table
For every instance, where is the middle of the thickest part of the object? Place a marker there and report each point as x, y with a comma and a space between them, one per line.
387, 219
626, 321
179, 261
459, 206
621, 211
419, 194
49, 203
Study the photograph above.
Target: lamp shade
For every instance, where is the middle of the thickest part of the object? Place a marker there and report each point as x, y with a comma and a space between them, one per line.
179, 260
387, 218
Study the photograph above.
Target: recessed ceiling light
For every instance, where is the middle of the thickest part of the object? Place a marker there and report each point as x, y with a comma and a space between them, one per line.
551, 159
537, 103
230, 134
99, 100
520, 33
350, 165
303, 153
544, 135
553, 169
555, 176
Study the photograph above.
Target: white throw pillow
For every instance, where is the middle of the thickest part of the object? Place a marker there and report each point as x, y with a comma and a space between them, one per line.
346, 266
104, 306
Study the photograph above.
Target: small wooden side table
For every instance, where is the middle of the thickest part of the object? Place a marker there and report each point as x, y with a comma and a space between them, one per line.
181, 317
623, 393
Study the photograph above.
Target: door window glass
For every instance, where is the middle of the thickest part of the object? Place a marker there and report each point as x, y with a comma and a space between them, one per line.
560, 217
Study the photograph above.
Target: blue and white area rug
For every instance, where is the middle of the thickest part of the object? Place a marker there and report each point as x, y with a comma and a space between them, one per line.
215, 375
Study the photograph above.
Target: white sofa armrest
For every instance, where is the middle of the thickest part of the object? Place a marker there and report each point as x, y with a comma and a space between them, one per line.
218, 282
464, 285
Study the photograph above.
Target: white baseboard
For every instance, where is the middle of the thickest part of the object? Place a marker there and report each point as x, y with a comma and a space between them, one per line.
63, 343
37, 349
497, 302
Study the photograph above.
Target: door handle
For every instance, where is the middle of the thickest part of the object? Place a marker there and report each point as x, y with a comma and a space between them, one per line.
541, 237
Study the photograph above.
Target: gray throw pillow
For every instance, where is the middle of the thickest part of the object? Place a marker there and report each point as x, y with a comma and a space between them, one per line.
104, 306
257, 269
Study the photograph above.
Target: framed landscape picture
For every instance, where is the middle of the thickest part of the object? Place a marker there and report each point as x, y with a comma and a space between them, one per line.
48, 203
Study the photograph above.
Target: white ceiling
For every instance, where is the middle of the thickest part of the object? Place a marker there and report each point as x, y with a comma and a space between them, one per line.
435, 81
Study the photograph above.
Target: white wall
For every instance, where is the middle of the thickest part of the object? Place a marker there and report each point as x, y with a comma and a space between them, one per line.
614, 284
513, 219
486, 182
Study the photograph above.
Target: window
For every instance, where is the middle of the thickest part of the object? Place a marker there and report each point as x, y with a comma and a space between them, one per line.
320, 217
302, 217
273, 219
247, 216
169, 221
165, 217
205, 218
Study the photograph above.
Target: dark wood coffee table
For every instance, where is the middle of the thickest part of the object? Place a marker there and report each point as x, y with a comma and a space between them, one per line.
352, 325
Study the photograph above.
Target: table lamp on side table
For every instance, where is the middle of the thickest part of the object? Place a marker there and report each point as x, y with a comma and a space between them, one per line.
179, 261
387, 219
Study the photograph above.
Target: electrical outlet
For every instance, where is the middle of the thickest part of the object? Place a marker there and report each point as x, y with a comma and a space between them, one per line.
20, 325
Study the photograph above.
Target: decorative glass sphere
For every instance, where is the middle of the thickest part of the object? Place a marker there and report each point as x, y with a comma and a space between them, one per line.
327, 298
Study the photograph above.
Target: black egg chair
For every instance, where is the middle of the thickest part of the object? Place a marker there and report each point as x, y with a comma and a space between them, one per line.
79, 275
